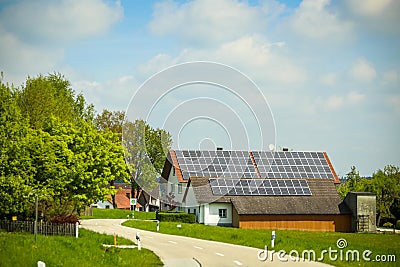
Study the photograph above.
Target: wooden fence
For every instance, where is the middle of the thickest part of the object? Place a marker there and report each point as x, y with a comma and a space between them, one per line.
43, 228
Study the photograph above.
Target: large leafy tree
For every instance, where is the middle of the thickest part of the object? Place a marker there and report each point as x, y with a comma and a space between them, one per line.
58, 154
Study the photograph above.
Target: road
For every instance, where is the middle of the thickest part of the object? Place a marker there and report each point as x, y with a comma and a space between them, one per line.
177, 251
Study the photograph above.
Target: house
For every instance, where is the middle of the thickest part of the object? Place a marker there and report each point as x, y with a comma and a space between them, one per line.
145, 202
256, 189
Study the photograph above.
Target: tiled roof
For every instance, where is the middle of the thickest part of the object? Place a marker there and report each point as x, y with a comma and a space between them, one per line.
324, 200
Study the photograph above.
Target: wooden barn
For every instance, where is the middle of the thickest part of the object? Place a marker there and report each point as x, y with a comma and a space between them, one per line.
256, 189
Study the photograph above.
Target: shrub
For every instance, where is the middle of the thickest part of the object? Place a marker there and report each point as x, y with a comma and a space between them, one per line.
388, 225
175, 216
64, 219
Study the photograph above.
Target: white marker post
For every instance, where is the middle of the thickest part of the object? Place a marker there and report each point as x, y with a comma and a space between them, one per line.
158, 226
273, 239
138, 241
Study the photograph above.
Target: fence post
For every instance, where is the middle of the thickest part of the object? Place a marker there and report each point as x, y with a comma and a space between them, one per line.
76, 229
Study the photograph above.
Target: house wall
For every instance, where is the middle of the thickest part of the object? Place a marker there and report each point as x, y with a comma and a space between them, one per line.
173, 182
210, 214
325, 223
104, 204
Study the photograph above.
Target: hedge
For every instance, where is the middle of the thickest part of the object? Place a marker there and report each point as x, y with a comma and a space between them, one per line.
175, 216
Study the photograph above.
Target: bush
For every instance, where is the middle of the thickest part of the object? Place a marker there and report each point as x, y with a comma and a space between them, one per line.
64, 219
398, 224
175, 216
388, 225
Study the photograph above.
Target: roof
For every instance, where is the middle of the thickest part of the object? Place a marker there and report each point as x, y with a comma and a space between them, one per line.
122, 200
249, 164
324, 200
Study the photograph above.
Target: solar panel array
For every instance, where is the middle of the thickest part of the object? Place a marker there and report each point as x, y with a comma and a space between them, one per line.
260, 187
292, 165
239, 164
226, 164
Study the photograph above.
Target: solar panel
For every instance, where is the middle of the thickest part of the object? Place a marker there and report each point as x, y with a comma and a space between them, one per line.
228, 164
259, 187
292, 164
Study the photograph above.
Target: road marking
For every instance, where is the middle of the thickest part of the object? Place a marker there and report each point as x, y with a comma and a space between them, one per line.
197, 247
219, 254
238, 263
172, 242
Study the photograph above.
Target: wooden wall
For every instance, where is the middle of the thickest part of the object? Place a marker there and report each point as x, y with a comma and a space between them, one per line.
324, 223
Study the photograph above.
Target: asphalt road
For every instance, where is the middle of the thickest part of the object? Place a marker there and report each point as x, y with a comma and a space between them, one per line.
178, 251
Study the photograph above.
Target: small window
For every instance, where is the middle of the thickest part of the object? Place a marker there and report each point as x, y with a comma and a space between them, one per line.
222, 213
107, 206
173, 171
172, 188
128, 195
179, 188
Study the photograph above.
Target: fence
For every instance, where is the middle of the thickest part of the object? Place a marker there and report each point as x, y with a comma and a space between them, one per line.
43, 228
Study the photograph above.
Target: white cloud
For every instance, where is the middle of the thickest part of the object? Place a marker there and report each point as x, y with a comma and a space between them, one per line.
253, 55
206, 21
363, 71
391, 77
330, 79
334, 102
59, 21
355, 97
34, 34
314, 20
382, 15
113, 94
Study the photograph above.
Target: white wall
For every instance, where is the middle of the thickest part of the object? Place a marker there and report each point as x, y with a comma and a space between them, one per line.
210, 214
103, 204
173, 181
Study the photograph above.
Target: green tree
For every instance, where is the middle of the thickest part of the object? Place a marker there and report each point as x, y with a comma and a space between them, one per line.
387, 188
353, 182
110, 120
15, 162
46, 96
145, 152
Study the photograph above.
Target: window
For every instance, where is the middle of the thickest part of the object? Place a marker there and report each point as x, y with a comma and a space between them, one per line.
107, 206
172, 188
128, 195
173, 171
222, 213
179, 188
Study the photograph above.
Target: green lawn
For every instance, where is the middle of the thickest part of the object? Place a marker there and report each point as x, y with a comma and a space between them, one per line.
387, 244
19, 249
119, 214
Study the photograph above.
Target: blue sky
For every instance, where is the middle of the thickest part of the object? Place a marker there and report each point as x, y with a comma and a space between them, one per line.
330, 70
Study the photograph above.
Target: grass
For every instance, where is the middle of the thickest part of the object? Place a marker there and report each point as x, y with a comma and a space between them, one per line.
20, 249
383, 244
119, 214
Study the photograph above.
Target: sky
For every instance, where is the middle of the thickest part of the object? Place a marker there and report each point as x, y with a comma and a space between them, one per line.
326, 74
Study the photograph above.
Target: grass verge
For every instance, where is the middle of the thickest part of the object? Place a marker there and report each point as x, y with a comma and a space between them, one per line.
379, 244
20, 249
